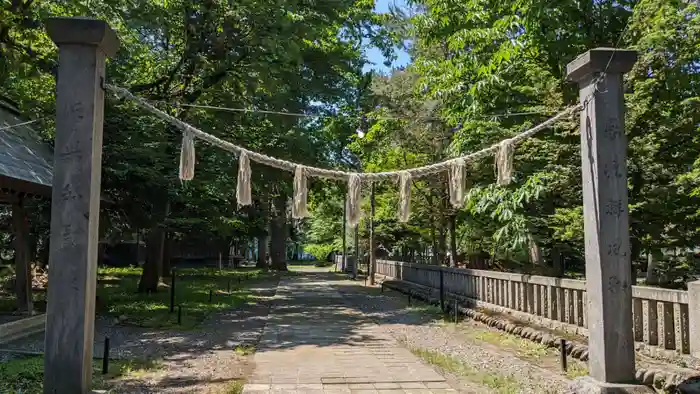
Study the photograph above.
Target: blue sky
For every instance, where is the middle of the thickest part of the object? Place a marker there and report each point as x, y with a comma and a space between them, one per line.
374, 56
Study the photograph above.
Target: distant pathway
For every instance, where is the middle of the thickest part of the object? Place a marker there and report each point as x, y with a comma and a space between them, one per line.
315, 341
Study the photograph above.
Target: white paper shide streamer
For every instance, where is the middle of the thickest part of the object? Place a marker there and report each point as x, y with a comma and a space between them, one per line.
301, 192
354, 210
504, 162
187, 156
404, 196
243, 186
457, 182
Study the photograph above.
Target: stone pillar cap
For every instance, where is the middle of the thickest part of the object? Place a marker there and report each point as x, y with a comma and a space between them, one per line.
596, 60
83, 31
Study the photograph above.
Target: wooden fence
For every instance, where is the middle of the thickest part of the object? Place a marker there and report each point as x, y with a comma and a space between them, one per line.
661, 318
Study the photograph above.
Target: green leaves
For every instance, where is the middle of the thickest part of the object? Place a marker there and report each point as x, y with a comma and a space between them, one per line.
281, 56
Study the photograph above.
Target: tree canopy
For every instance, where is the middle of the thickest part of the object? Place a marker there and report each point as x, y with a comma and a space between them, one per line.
480, 71
485, 70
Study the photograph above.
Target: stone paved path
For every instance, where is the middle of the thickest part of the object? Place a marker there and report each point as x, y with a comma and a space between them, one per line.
316, 342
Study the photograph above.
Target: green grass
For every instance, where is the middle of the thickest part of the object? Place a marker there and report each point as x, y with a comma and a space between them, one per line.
524, 347
244, 350
309, 264
235, 387
120, 271
26, 375
527, 350
575, 369
499, 383
117, 291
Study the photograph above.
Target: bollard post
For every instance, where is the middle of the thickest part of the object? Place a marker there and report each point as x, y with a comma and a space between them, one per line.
563, 354
442, 291
456, 312
179, 314
172, 290
409, 299
382, 287
105, 357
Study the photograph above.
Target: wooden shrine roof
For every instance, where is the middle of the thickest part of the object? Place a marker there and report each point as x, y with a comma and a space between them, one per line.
26, 162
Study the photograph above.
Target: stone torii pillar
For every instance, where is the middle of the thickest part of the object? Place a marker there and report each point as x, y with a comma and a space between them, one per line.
608, 267
83, 45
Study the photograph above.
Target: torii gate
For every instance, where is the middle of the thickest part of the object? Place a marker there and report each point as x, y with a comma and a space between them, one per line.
84, 44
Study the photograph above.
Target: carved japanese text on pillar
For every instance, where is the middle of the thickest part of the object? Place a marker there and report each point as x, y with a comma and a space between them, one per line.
615, 249
614, 208
71, 150
612, 129
68, 194
614, 284
67, 235
78, 110
612, 170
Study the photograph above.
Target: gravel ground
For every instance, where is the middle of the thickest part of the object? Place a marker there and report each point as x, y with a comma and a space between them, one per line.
195, 361
202, 361
417, 330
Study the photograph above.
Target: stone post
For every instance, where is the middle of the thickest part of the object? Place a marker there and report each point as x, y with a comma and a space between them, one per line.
606, 223
694, 317
83, 45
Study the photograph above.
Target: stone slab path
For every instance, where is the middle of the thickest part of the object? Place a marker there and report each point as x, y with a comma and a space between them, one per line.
315, 341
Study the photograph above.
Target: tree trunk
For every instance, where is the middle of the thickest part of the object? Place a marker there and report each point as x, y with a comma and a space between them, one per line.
262, 252
652, 273
137, 254
23, 271
636, 251
434, 259
356, 264
534, 253
345, 234
557, 262
372, 241
442, 242
278, 234
452, 222
153, 266
43, 254
226, 257
263, 240
167, 255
